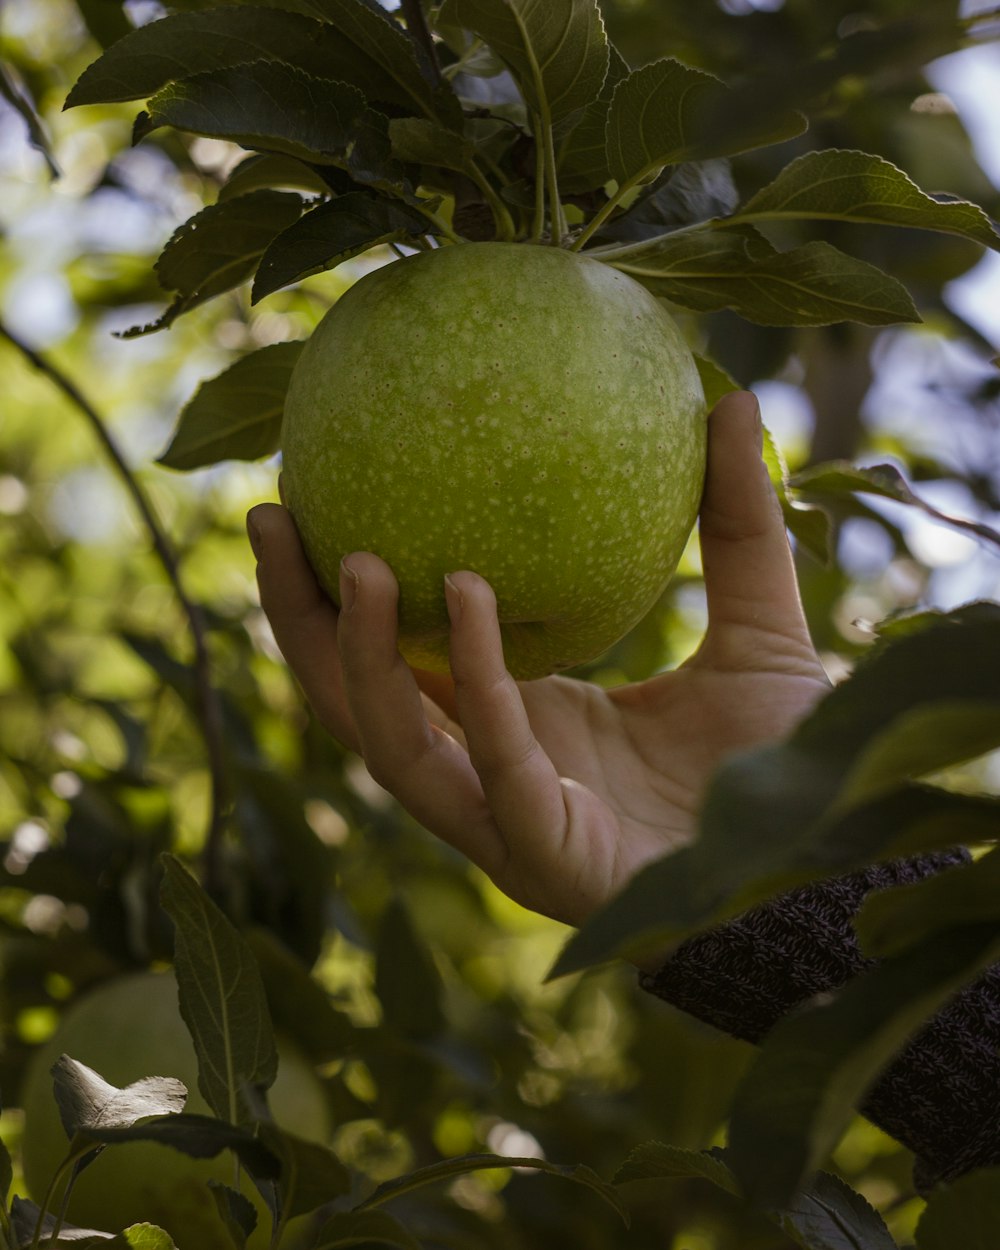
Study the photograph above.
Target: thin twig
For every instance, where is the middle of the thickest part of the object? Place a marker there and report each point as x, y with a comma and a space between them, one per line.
208, 702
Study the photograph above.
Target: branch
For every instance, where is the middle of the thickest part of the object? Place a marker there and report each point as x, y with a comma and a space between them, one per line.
209, 705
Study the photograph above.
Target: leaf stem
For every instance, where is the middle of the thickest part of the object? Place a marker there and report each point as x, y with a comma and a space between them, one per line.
538, 226
506, 230
557, 217
209, 705
602, 214
441, 227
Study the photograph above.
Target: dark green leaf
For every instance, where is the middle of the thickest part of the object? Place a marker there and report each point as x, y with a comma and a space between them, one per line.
654, 1160
417, 141
221, 997
809, 526
236, 1212
556, 49
666, 112
407, 981
962, 1215
837, 478
450, 1168
218, 248
330, 234
273, 107
87, 1101
24, 1220
892, 920
812, 285
6, 1172
262, 170
200, 1136
364, 1229
683, 195
106, 19
856, 186
182, 45
815, 1066
311, 1174
830, 1215
237, 414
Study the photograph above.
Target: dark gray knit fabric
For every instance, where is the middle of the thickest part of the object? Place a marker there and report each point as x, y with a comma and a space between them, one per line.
940, 1096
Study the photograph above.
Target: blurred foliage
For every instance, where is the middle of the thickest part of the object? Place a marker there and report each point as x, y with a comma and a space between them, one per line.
437, 1034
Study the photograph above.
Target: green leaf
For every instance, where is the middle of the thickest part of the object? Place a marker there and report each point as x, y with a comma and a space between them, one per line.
371, 34
715, 381
682, 196
237, 414
811, 285
330, 234
364, 1229
816, 1065
263, 170
829, 1215
6, 1172
145, 1237
407, 981
236, 1212
809, 526
464, 1164
311, 1174
217, 249
892, 920
420, 142
666, 112
922, 740
272, 107
654, 1160
582, 159
221, 998
556, 49
182, 45
856, 186
200, 1136
837, 478
963, 1214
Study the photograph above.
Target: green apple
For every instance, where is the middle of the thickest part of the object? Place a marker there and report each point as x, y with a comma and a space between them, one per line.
126, 1029
521, 411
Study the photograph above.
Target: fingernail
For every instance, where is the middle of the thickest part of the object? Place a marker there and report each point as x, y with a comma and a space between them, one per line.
255, 535
453, 598
349, 581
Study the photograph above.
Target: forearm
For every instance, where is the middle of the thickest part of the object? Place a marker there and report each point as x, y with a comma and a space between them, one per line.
940, 1095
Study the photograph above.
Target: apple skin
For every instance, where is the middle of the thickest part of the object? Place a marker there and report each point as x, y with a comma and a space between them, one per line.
521, 411
126, 1029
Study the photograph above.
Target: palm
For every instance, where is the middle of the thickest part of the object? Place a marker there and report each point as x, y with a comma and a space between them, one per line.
559, 790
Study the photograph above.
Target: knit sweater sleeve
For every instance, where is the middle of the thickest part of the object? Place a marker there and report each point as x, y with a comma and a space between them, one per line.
941, 1094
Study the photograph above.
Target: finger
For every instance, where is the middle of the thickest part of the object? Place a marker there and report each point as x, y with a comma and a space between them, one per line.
750, 577
426, 769
519, 780
303, 619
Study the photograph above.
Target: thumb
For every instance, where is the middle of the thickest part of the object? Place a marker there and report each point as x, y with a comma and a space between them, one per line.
754, 607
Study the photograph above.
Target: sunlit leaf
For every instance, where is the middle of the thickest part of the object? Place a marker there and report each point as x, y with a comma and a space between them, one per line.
237, 414
87, 1101
856, 186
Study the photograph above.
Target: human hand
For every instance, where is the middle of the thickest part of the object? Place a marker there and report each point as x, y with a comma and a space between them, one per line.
559, 790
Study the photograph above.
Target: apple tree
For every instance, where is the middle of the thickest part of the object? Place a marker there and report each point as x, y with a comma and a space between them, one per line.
187, 188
